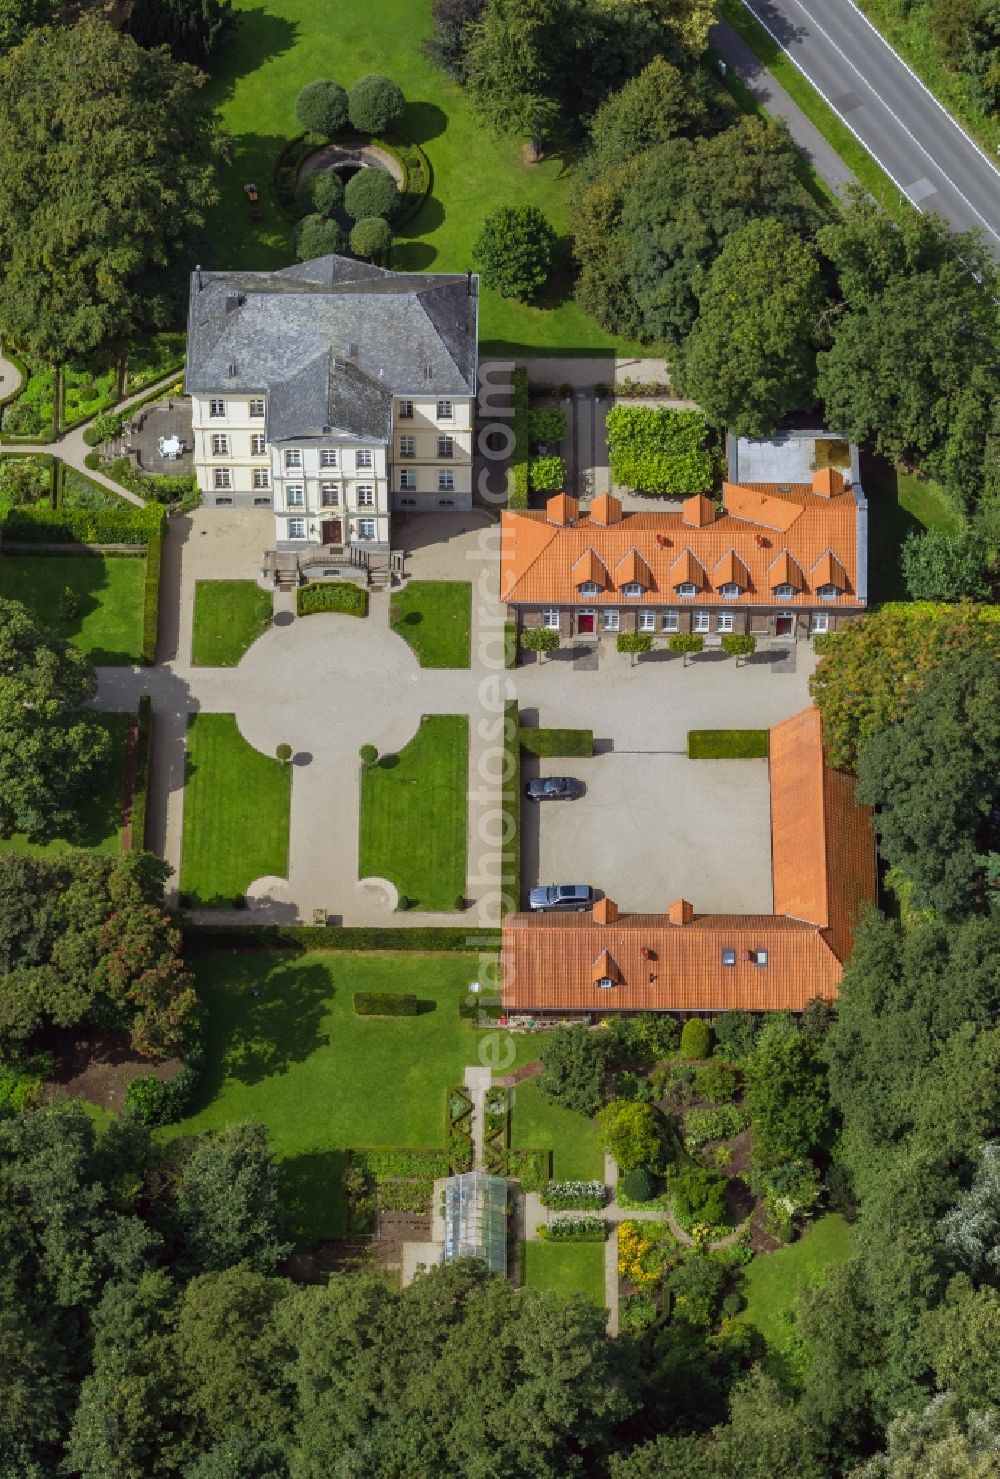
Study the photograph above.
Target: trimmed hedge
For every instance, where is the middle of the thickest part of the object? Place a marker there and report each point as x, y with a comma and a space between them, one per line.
658, 449
548, 742
143, 763
546, 474
303, 938
696, 1038
520, 457
576, 1230
510, 875
385, 1004
387, 1161
151, 599
337, 595
510, 644
727, 744
125, 525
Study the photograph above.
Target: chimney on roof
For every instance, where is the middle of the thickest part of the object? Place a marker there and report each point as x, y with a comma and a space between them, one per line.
680, 912
233, 301
698, 511
605, 911
606, 510
562, 509
826, 482
197, 273
468, 283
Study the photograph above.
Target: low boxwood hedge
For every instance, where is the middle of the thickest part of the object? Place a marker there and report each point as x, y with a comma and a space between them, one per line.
151, 599
385, 1004
334, 595
143, 761
303, 938
547, 742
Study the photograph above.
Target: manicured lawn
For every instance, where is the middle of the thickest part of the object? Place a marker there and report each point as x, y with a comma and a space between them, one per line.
566, 1268
229, 615
107, 590
278, 47
236, 805
414, 814
435, 617
898, 503
727, 744
772, 1281
295, 1057
538, 1125
100, 817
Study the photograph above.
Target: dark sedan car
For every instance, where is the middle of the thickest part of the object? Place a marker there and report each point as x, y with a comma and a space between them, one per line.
553, 788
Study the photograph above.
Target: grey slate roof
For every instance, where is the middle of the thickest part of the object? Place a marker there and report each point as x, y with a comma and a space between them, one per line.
331, 341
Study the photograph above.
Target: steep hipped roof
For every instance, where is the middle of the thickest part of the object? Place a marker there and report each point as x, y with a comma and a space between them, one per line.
823, 862
310, 325
537, 557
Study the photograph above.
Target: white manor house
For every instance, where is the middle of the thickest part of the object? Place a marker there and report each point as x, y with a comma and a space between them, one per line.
333, 392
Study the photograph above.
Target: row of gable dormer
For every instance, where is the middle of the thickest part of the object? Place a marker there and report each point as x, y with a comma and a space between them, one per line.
729, 576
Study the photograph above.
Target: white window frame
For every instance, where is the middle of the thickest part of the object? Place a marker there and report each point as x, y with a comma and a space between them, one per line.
407, 446
365, 529
222, 477
407, 480
724, 621
220, 444
445, 411
365, 495
610, 619
258, 444
702, 622
261, 477
633, 590
827, 592
686, 589
446, 448
295, 495
223, 503
216, 409
256, 409
293, 457
730, 590
297, 528
605, 983
446, 482
328, 457
363, 459
552, 620
406, 410
589, 589
647, 621
784, 592
329, 495
819, 623
671, 621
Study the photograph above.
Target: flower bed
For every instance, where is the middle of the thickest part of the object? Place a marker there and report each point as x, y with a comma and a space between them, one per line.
576, 1195
575, 1230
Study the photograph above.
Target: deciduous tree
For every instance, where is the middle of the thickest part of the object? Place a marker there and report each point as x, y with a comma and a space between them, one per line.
514, 251
513, 59
575, 1068
230, 1202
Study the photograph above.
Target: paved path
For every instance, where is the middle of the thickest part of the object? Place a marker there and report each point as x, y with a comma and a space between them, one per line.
773, 98
923, 150
477, 1081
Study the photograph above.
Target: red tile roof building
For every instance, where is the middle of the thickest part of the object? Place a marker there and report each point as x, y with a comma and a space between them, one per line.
823, 868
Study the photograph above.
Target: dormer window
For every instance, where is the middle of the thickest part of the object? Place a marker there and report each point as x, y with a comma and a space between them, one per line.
687, 589
632, 589
605, 983
730, 591
590, 588
827, 592
757, 957
784, 592
729, 957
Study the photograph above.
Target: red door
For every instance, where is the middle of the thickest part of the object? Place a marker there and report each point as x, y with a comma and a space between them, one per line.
585, 622
333, 531
784, 624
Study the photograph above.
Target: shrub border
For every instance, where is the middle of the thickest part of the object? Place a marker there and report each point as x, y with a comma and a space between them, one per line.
36, 439
143, 769
304, 938
151, 599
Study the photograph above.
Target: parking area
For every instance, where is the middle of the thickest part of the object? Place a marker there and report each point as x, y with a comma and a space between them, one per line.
654, 827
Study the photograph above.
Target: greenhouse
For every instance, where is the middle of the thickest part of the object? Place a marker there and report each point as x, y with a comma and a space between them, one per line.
475, 1219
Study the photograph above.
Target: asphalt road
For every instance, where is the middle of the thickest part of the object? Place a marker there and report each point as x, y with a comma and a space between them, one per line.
915, 140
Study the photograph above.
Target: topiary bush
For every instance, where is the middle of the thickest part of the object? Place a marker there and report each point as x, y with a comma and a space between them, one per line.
374, 104
546, 474
371, 238
320, 193
284, 753
371, 192
322, 108
696, 1039
638, 1185
369, 756
315, 236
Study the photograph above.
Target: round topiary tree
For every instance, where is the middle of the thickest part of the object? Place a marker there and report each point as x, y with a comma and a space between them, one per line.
369, 756
284, 753
374, 104
371, 238
515, 251
371, 192
315, 236
320, 193
321, 108
638, 1185
696, 1039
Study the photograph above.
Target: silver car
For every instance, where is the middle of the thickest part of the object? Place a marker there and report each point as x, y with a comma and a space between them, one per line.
578, 896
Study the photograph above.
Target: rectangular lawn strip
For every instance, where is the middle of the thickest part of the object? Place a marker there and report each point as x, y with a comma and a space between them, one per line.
435, 618
538, 1125
285, 1048
727, 744
801, 91
100, 816
236, 810
229, 616
106, 592
566, 1268
414, 814
772, 1281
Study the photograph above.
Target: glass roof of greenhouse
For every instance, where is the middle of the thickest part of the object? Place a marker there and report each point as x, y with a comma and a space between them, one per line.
475, 1218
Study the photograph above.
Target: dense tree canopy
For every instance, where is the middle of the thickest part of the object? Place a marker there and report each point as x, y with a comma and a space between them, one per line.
193, 29
575, 1068
102, 189
18, 17
650, 109
942, 566
514, 251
